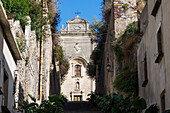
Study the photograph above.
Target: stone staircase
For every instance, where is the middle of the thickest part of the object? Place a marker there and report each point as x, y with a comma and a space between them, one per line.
79, 107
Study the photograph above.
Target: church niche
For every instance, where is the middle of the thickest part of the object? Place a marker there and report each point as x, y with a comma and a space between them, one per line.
77, 86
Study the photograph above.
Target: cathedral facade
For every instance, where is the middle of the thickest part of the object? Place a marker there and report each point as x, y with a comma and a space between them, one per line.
78, 43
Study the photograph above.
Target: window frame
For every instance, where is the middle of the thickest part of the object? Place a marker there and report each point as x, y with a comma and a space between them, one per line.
77, 69
145, 82
159, 38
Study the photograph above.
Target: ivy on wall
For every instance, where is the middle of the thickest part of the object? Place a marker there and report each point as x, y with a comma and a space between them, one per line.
20, 9
32, 8
127, 82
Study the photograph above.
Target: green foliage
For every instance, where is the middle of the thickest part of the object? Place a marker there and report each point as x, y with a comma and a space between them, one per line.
34, 9
91, 69
26, 61
20, 8
113, 103
139, 103
127, 82
16, 6
153, 109
37, 19
53, 105
125, 6
21, 45
99, 28
118, 52
59, 54
64, 67
131, 29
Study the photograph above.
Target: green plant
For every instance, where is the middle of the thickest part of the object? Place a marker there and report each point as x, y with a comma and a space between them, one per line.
53, 105
99, 28
118, 51
125, 6
152, 109
91, 69
34, 9
20, 9
26, 61
131, 29
21, 45
126, 81
64, 67
113, 103
58, 52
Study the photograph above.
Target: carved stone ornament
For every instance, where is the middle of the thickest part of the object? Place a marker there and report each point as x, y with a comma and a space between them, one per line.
76, 47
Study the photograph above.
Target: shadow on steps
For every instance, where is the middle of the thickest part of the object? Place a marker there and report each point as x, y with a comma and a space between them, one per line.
80, 107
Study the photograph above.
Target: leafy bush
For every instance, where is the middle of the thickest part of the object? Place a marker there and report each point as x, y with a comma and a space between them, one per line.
64, 67
53, 105
99, 28
126, 81
20, 8
91, 69
58, 52
118, 52
131, 29
32, 8
113, 103
64, 64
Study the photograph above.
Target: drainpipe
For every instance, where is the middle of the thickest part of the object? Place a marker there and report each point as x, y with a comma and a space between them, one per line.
41, 57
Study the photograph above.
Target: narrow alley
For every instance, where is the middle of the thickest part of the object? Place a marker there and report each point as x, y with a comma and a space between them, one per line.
84, 56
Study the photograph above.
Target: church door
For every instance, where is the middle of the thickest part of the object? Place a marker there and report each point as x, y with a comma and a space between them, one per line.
77, 98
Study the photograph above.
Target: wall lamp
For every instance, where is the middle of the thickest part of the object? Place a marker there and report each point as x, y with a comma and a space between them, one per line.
51, 67
108, 66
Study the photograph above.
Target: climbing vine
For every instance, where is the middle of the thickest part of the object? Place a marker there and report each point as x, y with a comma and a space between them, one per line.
20, 9
34, 9
58, 52
127, 82
21, 44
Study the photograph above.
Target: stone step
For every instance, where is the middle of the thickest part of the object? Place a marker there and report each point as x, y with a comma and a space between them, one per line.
79, 107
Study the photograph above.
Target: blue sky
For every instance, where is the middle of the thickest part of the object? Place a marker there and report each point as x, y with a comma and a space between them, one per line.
88, 9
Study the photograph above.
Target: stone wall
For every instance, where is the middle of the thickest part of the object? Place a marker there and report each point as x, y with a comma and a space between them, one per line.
21, 63
27, 78
47, 61
9, 54
125, 13
153, 73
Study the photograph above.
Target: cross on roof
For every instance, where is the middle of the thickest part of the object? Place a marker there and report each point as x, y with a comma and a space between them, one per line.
77, 12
